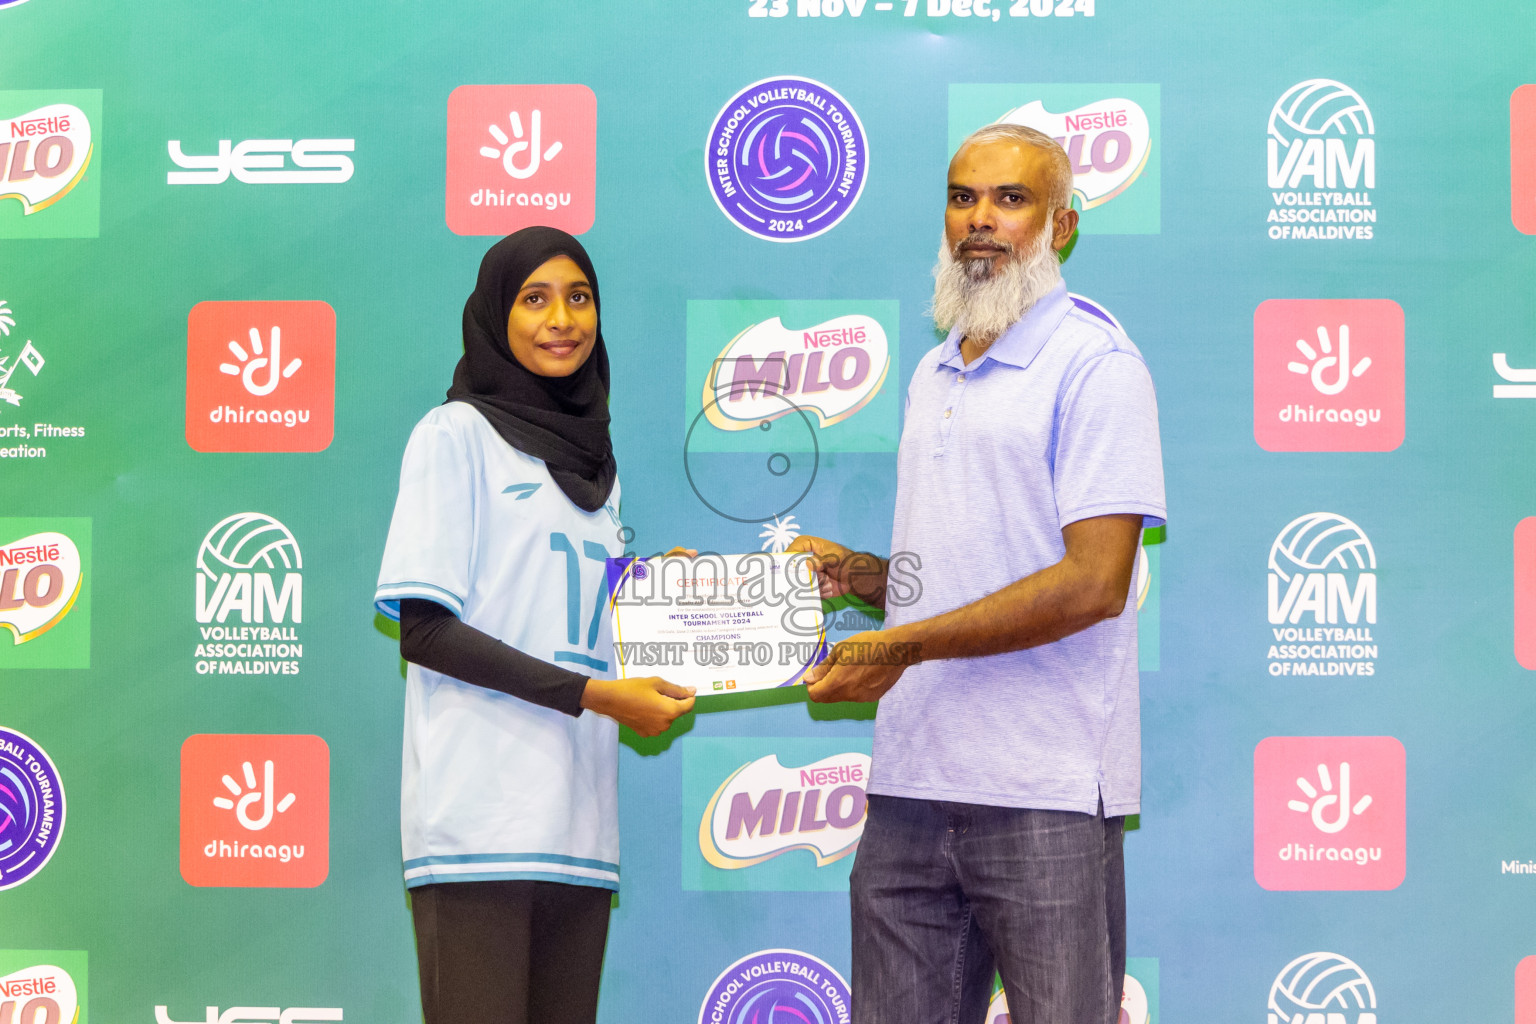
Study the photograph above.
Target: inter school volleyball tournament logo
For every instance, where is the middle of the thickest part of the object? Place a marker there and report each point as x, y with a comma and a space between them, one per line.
777, 986
1322, 163
1322, 986
520, 155
1110, 134
45, 581
1522, 159
249, 594
255, 811
1322, 599
31, 808
1330, 812
261, 376
786, 159
47, 152
1328, 375
43, 986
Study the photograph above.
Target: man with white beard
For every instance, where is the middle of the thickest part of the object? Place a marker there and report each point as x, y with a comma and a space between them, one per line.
1008, 755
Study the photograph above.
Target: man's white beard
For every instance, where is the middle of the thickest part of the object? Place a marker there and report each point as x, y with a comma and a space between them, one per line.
982, 305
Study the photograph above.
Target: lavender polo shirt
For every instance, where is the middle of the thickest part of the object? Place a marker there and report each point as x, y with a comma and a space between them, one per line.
1057, 422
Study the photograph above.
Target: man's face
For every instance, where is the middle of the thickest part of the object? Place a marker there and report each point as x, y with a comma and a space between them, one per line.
999, 198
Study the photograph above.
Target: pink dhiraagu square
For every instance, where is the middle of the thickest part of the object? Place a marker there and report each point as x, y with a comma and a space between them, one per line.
1525, 592
1330, 812
1525, 991
1522, 159
520, 155
1328, 375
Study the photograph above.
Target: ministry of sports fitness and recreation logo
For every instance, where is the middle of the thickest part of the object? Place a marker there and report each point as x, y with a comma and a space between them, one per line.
1322, 599
50, 164
1322, 986
786, 159
43, 986
264, 162
1522, 159
1330, 812
261, 376
1328, 375
1110, 133
31, 808
809, 367
249, 598
45, 593
1322, 163
777, 986
520, 155
255, 811
21, 362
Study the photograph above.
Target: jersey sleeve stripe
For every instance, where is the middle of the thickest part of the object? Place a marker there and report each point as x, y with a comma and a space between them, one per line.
388, 596
523, 872
493, 858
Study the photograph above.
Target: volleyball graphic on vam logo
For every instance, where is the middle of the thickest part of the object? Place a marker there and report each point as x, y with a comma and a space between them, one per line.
1322, 988
1322, 598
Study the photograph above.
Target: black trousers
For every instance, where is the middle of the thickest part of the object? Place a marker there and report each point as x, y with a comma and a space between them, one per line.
510, 952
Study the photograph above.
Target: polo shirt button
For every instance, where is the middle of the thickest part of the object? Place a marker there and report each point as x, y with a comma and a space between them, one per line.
947, 412
961, 378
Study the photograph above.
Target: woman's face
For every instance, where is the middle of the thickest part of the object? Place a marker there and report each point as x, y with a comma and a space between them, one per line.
553, 323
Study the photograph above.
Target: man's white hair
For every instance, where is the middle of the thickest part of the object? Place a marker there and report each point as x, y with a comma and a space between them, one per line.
982, 304
1060, 196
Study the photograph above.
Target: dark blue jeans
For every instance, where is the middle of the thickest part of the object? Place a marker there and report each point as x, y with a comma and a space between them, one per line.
943, 893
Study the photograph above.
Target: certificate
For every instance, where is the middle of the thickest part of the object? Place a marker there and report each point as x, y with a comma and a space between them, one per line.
718, 623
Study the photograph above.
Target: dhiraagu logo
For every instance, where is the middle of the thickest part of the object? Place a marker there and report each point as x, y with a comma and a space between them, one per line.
1110, 133
772, 815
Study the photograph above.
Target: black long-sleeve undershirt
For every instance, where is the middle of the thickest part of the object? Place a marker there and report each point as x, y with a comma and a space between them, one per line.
433, 637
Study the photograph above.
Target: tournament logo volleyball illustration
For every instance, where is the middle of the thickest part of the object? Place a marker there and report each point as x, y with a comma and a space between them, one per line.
786, 159
31, 808
1322, 984
777, 986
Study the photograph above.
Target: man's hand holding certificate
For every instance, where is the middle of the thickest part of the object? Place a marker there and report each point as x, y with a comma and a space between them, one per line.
720, 623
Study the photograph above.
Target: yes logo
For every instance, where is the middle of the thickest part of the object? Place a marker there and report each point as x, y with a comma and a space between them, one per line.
520, 155
1329, 812
1110, 134
1522, 159
257, 1015
50, 164
43, 986
1328, 375
261, 376
261, 162
45, 580
819, 366
255, 811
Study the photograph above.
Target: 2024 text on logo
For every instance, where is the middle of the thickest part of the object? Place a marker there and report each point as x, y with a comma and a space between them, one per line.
520, 155
1328, 375
255, 811
1329, 812
261, 376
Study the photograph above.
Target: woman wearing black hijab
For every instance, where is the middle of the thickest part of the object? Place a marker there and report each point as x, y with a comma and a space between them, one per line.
495, 567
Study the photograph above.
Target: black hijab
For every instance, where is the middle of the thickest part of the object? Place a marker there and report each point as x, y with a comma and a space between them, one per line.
562, 420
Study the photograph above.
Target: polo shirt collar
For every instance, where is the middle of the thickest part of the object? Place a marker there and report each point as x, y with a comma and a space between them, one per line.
1020, 343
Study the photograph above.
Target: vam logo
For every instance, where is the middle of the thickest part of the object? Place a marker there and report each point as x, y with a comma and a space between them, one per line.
50, 164
261, 376
45, 581
1328, 375
31, 809
264, 162
1321, 138
257, 1015
520, 155
255, 811
249, 598
43, 986
1322, 598
1109, 132
1329, 813
1322, 988
765, 809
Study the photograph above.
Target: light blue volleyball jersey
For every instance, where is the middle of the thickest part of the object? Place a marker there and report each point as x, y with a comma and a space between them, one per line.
494, 787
